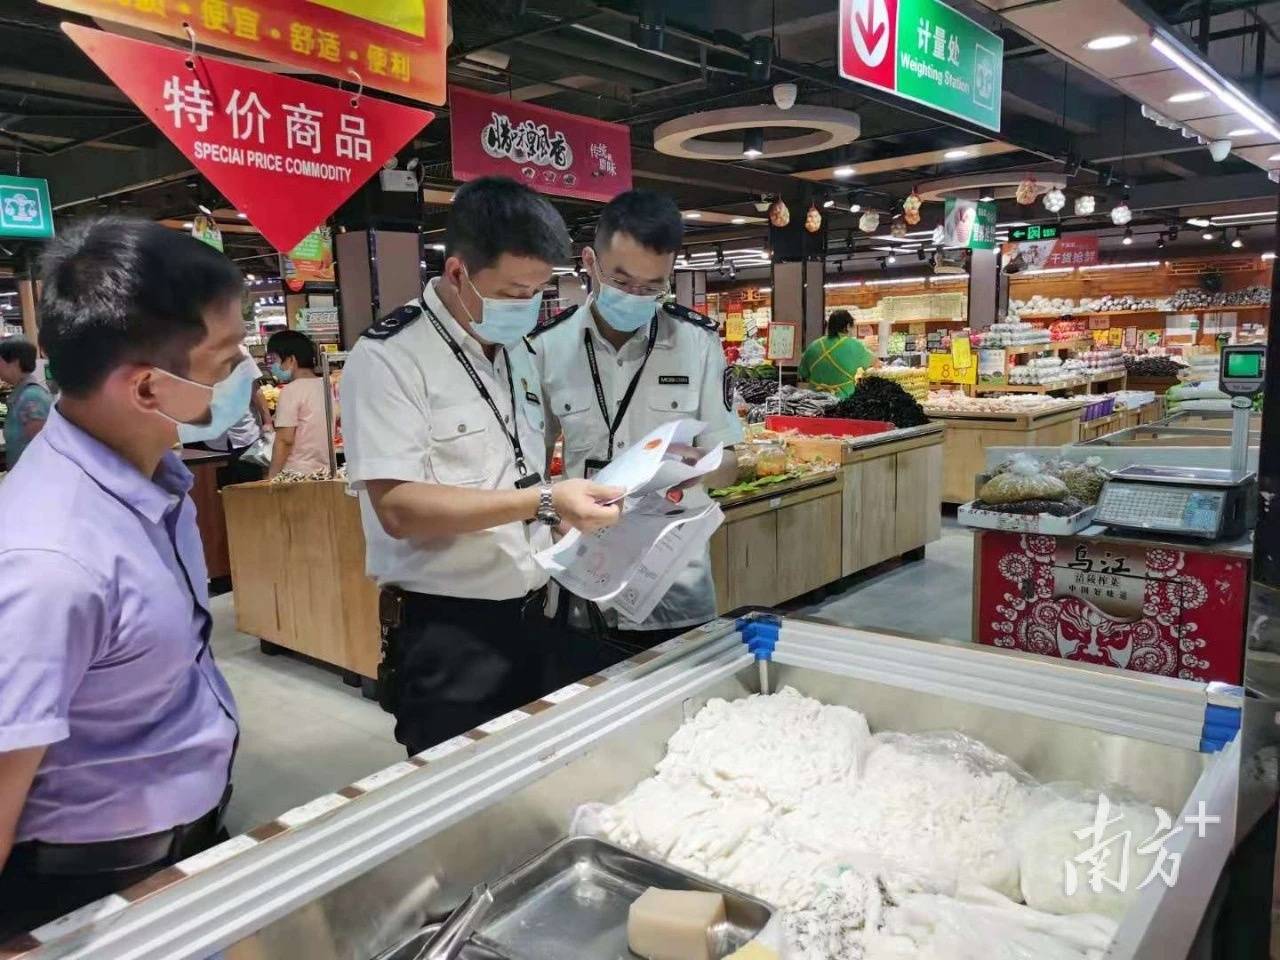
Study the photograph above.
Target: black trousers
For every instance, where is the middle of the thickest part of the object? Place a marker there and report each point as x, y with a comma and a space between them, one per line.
457, 663
32, 894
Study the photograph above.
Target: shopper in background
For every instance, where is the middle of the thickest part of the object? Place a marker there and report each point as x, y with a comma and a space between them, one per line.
117, 731
623, 364
442, 421
302, 442
29, 399
832, 363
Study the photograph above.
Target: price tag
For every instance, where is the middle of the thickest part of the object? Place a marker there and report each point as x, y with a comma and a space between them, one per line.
309, 811
1099, 323
735, 328
916, 329
942, 369
782, 342
385, 776
961, 356
215, 855
504, 721
442, 750
565, 693
78, 919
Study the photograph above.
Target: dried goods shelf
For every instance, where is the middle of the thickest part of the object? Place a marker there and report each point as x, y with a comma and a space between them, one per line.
1032, 387
1056, 314
1081, 343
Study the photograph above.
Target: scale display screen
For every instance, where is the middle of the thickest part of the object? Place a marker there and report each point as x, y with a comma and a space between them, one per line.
1247, 365
1163, 508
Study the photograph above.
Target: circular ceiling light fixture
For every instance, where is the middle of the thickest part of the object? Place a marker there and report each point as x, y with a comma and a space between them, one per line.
1112, 41
817, 128
1055, 200
1237, 243
843, 173
959, 153
1121, 214
1207, 235
1188, 96
1128, 236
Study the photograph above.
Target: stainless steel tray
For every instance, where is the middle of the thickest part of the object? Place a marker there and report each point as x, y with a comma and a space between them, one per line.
572, 901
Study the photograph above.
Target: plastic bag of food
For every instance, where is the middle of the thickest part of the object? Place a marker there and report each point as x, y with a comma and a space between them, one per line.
1054, 508
1025, 479
1085, 850
1084, 480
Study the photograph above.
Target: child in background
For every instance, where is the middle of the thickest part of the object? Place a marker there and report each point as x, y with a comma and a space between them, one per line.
301, 445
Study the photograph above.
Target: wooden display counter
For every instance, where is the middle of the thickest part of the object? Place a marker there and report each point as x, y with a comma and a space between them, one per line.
204, 466
883, 501
297, 560
968, 435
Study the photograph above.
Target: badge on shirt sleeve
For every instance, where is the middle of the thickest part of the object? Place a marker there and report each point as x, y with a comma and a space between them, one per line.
726, 387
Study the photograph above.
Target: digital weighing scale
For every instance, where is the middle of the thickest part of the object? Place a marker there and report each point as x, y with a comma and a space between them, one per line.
1202, 502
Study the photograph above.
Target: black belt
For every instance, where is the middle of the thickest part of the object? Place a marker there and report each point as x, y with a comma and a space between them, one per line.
128, 853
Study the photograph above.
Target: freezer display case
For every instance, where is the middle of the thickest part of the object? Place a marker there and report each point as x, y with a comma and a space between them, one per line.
352, 875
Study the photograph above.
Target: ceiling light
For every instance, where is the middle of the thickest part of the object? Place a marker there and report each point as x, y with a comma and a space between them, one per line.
760, 52
1262, 216
1188, 96
1133, 265
252, 278
1228, 94
692, 215
842, 172
1198, 222
1242, 132
1273, 158
753, 143
1160, 242
1269, 255
188, 225
1237, 243
855, 208
1208, 235
738, 221
438, 246
891, 258
986, 199
828, 204
957, 154
1113, 41
242, 215
1128, 236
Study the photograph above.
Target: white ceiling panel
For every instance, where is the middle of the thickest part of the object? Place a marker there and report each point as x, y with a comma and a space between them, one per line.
1068, 25
1155, 89
1261, 155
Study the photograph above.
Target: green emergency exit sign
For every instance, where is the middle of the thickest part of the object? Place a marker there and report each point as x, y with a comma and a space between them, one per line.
1021, 234
25, 210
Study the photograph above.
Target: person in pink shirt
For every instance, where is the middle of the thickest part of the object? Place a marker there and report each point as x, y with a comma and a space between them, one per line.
301, 444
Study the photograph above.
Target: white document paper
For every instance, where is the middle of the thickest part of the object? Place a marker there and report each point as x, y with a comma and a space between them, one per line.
665, 561
650, 466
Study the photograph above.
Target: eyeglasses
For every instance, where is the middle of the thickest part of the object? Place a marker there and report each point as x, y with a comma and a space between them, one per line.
654, 290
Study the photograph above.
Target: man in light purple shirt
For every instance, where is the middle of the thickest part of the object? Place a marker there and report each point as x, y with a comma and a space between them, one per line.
117, 731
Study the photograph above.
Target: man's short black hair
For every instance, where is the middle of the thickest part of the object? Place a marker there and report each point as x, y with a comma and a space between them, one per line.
496, 215
20, 349
652, 219
839, 322
119, 291
293, 343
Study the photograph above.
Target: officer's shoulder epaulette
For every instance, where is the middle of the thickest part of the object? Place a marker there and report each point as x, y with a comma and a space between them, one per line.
555, 321
681, 312
393, 322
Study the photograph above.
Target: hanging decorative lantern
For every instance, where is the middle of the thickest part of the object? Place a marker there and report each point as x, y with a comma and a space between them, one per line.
1055, 200
869, 221
1121, 214
779, 215
898, 228
911, 208
1085, 205
1027, 190
813, 220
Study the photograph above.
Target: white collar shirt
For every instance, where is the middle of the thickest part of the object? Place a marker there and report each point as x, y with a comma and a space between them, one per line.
411, 412
684, 378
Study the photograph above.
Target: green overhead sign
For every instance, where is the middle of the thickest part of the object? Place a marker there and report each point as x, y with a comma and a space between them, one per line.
25, 210
1034, 232
922, 50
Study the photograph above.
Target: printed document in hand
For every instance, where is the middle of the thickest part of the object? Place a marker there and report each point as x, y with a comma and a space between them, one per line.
631, 565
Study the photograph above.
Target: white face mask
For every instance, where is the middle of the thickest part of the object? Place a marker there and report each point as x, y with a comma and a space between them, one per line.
228, 402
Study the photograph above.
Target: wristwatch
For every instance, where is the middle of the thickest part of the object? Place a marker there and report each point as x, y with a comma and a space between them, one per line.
546, 507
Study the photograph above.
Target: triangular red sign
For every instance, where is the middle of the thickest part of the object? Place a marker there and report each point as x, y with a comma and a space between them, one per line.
286, 152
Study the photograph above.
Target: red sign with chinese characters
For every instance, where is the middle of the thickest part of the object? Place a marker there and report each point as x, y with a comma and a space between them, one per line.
554, 152
394, 45
1070, 251
1123, 604
287, 153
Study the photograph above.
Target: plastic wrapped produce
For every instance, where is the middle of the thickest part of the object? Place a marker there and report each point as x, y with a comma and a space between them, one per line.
1025, 479
1084, 480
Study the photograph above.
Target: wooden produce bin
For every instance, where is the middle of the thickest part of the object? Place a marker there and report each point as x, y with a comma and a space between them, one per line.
968, 435
297, 561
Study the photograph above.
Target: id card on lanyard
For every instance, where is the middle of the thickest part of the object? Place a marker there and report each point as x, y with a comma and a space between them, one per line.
525, 479
594, 466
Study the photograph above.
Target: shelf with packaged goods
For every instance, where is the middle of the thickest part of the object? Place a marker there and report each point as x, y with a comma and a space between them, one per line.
1080, 344
1059, 314
1033, 387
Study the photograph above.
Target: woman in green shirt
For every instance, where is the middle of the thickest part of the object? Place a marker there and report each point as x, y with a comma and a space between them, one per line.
832, 362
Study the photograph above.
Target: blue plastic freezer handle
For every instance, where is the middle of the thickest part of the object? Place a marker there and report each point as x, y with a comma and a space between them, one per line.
760, 634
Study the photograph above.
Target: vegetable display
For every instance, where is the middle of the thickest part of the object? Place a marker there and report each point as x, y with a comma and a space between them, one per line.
878, 398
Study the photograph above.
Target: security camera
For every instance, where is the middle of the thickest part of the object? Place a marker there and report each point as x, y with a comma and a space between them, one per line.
1219, 149
784, 95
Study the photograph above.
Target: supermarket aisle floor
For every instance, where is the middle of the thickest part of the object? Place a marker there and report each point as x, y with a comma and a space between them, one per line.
930, 598
303, 733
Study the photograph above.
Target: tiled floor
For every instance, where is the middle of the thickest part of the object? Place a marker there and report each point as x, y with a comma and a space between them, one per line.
304, 733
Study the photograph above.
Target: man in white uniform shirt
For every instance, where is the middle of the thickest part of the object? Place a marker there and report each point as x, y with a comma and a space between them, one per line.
443, 428
626, 362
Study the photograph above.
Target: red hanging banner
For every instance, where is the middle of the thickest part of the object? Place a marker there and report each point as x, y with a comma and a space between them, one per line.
285, 152
554, 152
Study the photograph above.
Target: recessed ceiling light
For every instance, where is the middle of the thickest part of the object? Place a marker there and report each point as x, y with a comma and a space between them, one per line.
438, 246
188, 225
738, 221
1188, 96
1198, 222
1112, 41
1242, 132
957, 154
242, 215
828, 204
692, 215
855, 208
986, 198
842, 172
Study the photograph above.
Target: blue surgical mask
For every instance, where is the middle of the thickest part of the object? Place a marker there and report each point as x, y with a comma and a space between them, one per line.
280, 373
505, 322
228, 402
625, 312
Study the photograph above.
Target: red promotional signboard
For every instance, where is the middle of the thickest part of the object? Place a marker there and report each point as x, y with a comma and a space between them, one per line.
394, 45
287, 153
554, 152
868, 41
1132, 606
1069, 251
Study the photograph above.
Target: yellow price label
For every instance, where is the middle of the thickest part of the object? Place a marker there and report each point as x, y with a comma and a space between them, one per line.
943, 369
408, 16
735, 328
961, 355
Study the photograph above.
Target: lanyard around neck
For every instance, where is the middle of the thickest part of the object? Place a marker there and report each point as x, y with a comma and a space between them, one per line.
613, 424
